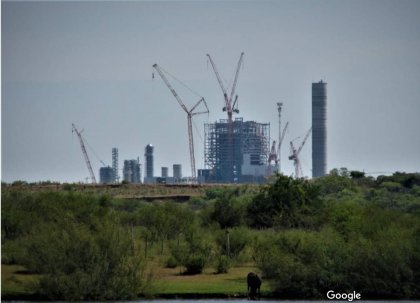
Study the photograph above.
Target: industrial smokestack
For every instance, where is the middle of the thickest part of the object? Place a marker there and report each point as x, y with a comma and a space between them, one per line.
148, 155
319, 129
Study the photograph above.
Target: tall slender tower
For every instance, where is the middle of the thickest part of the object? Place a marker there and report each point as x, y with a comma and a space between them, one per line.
319, 129
115, 164
148, 154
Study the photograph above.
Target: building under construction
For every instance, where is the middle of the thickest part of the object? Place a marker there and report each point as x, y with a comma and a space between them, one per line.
248, 159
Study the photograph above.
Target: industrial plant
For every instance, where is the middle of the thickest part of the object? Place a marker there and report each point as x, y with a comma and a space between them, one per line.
246, 160
235, 151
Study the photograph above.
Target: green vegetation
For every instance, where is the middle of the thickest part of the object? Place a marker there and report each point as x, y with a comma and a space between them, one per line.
344, 231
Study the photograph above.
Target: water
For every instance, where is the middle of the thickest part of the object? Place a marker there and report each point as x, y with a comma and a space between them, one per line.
267, 301
245, 300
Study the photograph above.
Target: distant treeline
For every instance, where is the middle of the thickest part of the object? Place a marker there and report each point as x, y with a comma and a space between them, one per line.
344, 231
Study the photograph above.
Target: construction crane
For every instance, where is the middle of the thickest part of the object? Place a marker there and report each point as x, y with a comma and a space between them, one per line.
190, 114
273, 154
82, 145
230, 108
280, 142
295, 155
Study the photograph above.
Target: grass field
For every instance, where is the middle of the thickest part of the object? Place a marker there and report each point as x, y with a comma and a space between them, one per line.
172, 281
16, 282
147, 192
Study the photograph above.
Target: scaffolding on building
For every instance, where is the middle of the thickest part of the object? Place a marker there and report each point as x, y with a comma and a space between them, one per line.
251, 148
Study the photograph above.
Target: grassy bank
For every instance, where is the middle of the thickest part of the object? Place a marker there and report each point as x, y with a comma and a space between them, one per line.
17, 283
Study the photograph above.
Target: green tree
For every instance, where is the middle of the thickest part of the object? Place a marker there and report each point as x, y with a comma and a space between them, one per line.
75, 241
229, 210
81, 262
285, 203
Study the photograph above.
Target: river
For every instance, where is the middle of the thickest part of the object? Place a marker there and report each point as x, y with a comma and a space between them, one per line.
266, 301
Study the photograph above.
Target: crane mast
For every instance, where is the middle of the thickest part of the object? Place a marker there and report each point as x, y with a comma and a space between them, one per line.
82, 145
229, 108
190, 114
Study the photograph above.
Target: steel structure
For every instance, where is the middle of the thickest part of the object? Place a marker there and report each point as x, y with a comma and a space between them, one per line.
319, 125
85, 154
250, 149
229, 107
190, 113
295, 155
132, 171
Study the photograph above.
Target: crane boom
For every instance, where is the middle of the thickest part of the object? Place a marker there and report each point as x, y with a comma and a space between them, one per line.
236, 76
190, 114
304, 140
168, 84
281, 139
218, 78
82, 145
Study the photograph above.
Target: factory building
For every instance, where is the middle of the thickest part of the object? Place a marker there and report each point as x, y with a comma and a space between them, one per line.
248, 160
106, 175
177, 169
164, 173
319, 129
132, 171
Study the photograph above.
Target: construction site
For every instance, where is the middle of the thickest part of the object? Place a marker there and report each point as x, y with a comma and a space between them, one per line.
235, 151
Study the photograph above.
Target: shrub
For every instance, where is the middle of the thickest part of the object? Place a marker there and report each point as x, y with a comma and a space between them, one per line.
171, 262
223, 264
195, 265
239, 238
75, 242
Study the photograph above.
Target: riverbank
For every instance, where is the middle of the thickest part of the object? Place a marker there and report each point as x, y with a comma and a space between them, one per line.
168, 283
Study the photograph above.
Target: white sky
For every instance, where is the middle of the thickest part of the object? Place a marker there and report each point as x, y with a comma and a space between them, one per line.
91, 63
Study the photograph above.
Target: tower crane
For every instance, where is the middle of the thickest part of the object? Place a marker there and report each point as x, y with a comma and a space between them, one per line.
229, 108
295, 155
82, 145
190, 114
280, 142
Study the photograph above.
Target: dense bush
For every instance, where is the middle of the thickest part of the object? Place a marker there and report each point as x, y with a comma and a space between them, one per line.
193, 251
286, 203
343, 231
77, 245
367, 249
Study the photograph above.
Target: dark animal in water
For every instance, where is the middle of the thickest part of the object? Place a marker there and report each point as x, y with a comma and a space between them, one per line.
254, 284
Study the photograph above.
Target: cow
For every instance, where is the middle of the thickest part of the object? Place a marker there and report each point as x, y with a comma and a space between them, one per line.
254, 284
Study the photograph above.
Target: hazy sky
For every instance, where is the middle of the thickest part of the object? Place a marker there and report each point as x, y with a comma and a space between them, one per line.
90, 63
